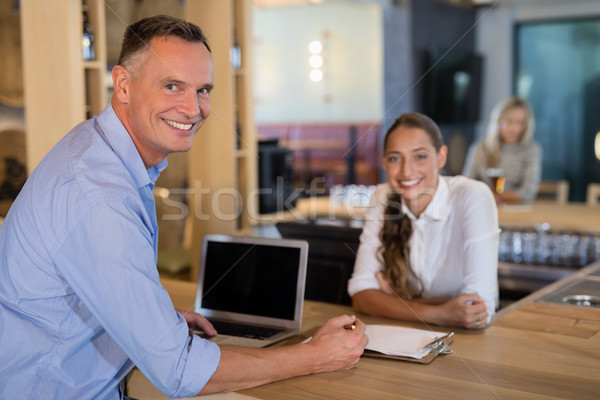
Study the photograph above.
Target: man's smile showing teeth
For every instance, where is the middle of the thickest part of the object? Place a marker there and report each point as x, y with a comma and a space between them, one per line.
410, 183
185, 127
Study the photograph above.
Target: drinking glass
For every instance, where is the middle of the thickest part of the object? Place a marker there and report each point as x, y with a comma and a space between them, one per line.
517, 247
583, 250
544, 245
496, 179
529, 247
504, 246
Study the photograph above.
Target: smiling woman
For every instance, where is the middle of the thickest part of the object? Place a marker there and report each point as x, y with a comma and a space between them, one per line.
429, 243
413, 157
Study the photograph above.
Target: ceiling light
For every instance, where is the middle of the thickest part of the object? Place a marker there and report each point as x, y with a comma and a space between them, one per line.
315, 47
316, 75
315, 61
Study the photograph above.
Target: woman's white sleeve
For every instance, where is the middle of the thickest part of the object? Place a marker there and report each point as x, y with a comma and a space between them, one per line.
480, 232
367, 262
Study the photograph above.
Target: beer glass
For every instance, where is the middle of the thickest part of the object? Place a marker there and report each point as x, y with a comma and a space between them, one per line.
496, 179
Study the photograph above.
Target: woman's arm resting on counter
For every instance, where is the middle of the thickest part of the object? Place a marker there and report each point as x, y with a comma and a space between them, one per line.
464, 310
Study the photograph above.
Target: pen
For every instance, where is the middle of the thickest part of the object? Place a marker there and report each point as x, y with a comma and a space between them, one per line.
350, 327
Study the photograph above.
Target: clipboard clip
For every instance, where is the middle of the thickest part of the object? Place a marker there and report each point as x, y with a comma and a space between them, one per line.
439, 346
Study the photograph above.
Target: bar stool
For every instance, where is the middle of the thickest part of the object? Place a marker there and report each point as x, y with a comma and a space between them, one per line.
593, 194
554, 190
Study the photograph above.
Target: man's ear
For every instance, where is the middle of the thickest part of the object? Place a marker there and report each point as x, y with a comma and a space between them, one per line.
121, 80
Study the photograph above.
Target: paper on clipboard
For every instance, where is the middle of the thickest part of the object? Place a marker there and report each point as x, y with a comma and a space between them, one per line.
401, 341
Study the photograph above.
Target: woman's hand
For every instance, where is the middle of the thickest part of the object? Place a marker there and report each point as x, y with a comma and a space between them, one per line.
465, 310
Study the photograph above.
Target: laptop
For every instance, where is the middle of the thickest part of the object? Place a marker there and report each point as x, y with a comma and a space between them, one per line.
251, 288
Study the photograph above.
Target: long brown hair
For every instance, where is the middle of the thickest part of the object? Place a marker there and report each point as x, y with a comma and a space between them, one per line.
397, 227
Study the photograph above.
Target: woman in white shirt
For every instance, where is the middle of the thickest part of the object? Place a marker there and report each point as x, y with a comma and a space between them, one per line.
429, 247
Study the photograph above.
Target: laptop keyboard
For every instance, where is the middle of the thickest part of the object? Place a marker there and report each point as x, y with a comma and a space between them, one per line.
247, 331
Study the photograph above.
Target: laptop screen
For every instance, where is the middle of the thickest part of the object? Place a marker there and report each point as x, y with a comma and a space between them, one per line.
250, 278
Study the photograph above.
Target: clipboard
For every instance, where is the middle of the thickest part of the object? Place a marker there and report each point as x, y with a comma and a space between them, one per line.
439, 346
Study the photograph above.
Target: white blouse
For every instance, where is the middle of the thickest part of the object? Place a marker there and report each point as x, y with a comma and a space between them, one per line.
453, 248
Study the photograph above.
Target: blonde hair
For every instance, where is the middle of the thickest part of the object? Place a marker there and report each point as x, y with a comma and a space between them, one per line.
493, 141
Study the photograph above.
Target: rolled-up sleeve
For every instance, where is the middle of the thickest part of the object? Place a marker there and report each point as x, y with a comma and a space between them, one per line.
116, 279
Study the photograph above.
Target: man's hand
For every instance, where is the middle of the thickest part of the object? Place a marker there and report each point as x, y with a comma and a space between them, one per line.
336, 346
197, 321
339, 344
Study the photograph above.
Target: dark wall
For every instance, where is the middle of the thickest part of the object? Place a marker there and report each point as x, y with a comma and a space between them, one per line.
591, 120
398, 64
558, 58
410, 27
438, 24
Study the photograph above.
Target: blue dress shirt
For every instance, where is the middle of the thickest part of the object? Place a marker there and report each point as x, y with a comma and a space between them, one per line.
80, 298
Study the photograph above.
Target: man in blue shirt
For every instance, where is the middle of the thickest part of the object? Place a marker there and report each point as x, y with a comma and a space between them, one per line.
80, 298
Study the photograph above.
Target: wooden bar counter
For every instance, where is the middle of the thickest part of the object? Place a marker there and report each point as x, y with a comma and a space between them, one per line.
578, 217
531, 350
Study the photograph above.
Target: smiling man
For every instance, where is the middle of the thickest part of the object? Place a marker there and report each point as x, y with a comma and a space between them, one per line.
164, 106
80, 297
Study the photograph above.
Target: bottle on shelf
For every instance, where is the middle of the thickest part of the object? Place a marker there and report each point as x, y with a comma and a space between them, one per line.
88, 37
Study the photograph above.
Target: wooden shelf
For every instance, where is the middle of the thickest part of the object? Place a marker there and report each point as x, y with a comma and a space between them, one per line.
244, 154
75, 88
217, 162
95, 86
240, 72
55, 73
95, 64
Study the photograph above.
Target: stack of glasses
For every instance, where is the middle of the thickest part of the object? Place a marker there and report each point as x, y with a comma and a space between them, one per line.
544, 247
351, 195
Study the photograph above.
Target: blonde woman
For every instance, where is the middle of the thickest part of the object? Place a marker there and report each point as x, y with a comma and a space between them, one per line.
508, 149
428, 250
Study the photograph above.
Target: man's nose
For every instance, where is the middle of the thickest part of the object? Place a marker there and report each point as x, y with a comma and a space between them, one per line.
190, 105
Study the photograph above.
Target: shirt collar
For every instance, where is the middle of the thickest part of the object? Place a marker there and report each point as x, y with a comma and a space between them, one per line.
437, 209
121, 143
